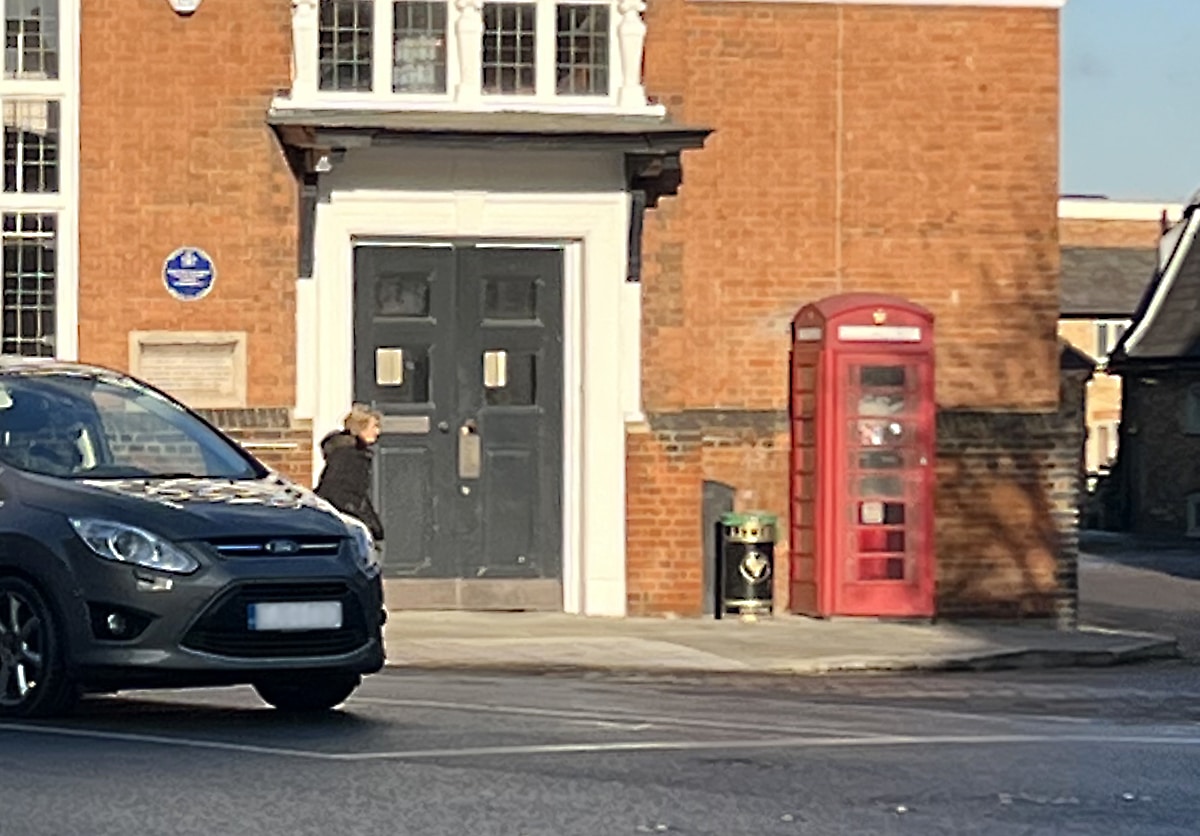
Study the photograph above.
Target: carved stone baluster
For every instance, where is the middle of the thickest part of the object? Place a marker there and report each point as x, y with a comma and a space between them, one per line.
469, 29
305, 48
631, 39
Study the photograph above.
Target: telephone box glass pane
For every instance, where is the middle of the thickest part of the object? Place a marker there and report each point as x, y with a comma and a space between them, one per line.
880, 459
879, 433
806, 378
882, 404
883, 376
882, 390
883, 433
879, 485
881, 569
880, 540
808, 430
880, 512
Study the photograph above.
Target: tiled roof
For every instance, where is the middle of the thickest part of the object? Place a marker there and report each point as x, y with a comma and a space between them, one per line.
1104, 281
1167, 325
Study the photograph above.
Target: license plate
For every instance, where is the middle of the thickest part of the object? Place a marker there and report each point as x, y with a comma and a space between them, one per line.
300, 615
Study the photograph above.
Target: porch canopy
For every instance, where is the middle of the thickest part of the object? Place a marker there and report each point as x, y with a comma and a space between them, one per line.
652, 145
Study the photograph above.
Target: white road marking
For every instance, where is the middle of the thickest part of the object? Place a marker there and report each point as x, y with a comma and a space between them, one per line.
798, 743
792, 743
629, 719
993, 718
764, 705
162, 740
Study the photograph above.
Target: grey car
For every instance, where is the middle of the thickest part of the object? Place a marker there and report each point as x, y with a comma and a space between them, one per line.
140, 547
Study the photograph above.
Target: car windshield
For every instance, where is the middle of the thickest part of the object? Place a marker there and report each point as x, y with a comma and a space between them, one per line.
88, 426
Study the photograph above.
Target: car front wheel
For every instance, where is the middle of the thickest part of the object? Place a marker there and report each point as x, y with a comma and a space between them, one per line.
318, 692
33, 674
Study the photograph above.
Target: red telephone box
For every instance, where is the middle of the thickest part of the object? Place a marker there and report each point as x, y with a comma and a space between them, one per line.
862, 458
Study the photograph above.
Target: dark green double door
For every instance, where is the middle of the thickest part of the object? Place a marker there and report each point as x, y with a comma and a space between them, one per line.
460, 347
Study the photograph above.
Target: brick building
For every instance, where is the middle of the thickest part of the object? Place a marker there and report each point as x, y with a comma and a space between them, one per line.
470, 214
917, 154
1156, 487
1109, 255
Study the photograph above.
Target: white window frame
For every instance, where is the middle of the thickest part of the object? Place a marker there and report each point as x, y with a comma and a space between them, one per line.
988, 4
1107, 441
464, 56
65, 202
1191, 410
1193, 515
1107, 334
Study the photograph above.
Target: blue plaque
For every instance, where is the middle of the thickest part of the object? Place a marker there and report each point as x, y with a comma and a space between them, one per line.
189, 273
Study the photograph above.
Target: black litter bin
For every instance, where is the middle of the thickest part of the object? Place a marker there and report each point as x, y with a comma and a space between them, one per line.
746, 564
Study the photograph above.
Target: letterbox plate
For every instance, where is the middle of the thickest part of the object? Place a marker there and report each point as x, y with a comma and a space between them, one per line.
470, 454
405, 424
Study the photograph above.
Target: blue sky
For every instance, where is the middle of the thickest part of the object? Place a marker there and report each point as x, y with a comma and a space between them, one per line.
1131, 98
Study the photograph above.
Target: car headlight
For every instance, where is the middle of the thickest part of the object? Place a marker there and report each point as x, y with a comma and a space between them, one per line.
363, 544
128, 544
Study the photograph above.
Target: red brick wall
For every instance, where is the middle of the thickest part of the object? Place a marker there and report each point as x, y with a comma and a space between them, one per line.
665, 486
906, 150
1009, 492
932, 175
175, 152
272, 436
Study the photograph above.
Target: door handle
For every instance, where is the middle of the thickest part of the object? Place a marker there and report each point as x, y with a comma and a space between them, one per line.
470, 451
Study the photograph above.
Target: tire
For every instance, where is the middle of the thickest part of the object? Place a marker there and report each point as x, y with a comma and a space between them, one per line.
316, 692
33, 667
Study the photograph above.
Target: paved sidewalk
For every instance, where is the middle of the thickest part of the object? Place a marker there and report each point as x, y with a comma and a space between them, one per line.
546, 642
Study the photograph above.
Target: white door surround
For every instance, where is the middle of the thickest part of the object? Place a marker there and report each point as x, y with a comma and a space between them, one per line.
577, 200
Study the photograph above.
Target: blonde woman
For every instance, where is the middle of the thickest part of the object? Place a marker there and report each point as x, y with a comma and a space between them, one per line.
349, 453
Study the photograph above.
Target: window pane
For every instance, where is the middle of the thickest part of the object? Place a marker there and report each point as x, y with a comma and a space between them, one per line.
1191, 412
345, 44
413, 380
31, 39
519, 383
31, 146
419, 47
30, 268
510, 298
509, 48
582, 65
403, 294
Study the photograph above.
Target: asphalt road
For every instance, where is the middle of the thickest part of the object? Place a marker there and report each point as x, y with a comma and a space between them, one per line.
1112, 751
1157, 590
1107, 752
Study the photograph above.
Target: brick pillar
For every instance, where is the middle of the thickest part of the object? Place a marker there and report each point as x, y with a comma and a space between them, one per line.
664, 496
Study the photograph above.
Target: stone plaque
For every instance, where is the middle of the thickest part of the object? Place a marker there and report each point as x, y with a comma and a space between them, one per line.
205, 369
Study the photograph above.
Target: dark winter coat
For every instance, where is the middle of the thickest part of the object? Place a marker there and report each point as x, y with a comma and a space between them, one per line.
346, 481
